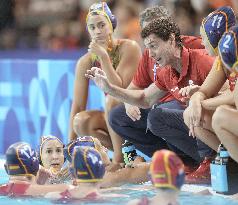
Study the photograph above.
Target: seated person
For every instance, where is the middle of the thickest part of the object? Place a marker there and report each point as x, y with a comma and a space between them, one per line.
225, 117
87, 170
167, 175
198, 115
22, 166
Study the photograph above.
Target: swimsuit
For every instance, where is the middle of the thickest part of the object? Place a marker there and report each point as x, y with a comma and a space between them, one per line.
13, 189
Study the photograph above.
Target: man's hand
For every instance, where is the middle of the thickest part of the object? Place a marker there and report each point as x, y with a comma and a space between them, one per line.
188, 90
133, 112
99, 77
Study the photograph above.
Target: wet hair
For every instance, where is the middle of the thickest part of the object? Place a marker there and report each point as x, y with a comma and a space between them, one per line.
163, 28
152, 13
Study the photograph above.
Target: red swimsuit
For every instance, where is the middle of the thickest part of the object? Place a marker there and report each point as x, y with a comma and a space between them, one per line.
14, 189
66, 197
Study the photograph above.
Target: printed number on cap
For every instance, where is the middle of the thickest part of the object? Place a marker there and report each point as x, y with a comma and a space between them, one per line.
215, 18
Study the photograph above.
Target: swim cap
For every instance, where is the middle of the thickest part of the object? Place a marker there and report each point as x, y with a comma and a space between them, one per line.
228, 49
102, 8
87, 165
167, 170
217, 23
45, 139
80, 141
21, 159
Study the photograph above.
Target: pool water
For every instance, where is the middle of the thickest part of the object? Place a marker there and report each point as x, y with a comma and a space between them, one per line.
119, 195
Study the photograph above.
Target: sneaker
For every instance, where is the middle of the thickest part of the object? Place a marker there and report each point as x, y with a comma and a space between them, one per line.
202, 175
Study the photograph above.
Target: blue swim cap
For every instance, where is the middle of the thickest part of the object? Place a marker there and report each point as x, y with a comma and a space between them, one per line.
103, 8
217, 23
228, 49
87, 165
87, 141
21, 159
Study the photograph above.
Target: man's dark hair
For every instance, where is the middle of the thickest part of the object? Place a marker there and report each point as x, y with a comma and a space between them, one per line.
152, 13
163, 28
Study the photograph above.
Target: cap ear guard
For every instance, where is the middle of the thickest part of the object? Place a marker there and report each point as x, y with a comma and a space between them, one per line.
21, 159
114, 22
87, 165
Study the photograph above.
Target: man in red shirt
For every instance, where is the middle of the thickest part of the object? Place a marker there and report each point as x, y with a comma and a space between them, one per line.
182, 68
130, 121
145, 76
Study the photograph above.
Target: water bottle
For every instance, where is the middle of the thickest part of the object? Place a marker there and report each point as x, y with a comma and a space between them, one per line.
129, 152
218, 168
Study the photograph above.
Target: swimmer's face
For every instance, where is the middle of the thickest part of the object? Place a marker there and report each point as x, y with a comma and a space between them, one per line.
161, 51
99, 28
206, 43
52, 155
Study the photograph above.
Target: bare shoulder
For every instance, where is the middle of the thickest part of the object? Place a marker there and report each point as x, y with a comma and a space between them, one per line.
83, 63
129, 46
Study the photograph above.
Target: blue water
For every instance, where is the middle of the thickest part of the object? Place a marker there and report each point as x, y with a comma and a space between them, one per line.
121, 195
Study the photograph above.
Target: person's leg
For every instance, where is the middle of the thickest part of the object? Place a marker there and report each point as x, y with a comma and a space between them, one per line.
115, 138
135, 132
173, 104
168, 124
205, 132
224, 123
203, 149
92, 123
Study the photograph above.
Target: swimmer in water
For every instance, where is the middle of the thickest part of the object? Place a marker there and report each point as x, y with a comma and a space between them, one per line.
87, 141
136, 173
22, 166
51, 158
167, 175
88, 171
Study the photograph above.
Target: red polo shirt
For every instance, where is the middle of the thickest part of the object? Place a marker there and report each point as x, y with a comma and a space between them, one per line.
144, 75
196, 65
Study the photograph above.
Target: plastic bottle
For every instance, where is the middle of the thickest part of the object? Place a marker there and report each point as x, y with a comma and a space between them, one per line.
218, 167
